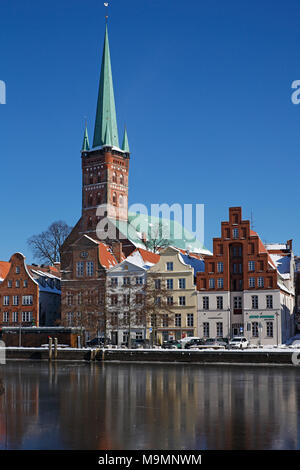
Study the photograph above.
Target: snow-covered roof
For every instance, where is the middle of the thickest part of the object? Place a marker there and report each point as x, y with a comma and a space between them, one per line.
283, 264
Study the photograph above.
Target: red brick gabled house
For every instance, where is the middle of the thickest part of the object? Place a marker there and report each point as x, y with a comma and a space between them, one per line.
29, 295
246, 288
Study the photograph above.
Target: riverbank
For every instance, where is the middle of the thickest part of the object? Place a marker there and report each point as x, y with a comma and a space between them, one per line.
249, 356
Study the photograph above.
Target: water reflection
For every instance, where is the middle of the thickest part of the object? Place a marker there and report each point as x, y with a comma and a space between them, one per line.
130, 406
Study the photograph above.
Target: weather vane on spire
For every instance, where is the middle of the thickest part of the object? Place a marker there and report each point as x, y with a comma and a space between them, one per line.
106, 4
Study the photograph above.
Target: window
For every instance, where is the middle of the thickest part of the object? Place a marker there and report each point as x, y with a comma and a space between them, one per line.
139, 281
139, 318
126, 281
181, 301
158, 301
27, 300
255, 329
220, 283
79, 298
6, 300
169, 283
260, 282
269, 329
211, 283
220, 302
139, 299
70, 318
254, 301
138, 335
190, 319
114, 299
251, 281
15, 317
177, 319
114, 281
269, 301
251, 266
170, 300
170, 266
181, 283
114, 198
114, 177
121, 179
220, 266
89, 268
205, 301
237, 302
15, 300
114, 318
165, 320
157, 283
235, 233
5, 317
206, 330
17, 269
126, 299
219, 329
26, 316
79, 269
18, 284
25, 283
9, 283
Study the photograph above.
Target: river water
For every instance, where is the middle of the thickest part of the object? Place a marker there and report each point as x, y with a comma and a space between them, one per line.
148, 406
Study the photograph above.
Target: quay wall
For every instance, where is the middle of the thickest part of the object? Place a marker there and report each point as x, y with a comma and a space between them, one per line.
174, 356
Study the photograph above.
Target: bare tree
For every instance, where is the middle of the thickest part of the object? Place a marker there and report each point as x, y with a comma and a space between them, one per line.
46, 246
88, 310
157, 305
157, 237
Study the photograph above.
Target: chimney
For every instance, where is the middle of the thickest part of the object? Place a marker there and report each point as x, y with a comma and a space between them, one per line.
117, 251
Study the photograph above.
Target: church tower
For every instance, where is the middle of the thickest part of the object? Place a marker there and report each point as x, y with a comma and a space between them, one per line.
105, 165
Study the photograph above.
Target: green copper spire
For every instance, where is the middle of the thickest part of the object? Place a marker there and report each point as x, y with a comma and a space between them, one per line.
106, 109
107, 139
86, 143
125, 145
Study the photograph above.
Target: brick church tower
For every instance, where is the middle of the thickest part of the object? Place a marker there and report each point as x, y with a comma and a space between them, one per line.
86, 255
105, 166
105, 169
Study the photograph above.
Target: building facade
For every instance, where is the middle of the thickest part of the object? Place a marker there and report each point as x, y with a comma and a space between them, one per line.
246, 289
176, 288
125, 296
29, 295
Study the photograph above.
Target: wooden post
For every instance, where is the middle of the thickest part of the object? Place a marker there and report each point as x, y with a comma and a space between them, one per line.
50, 349
55, 348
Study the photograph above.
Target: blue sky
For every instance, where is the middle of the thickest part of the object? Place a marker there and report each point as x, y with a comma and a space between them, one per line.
204, 88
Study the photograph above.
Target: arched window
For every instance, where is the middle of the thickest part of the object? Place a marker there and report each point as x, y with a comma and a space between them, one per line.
90, 200
91, 179
114, 178
90, 222
114, 198
121, 179
98, 199
99, 177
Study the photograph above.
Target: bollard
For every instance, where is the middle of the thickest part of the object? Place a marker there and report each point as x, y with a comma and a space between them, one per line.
50, 349
55, 348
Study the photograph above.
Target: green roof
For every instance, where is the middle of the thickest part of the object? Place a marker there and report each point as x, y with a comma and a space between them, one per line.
106, 109
170, 230
86, 143
125, 145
